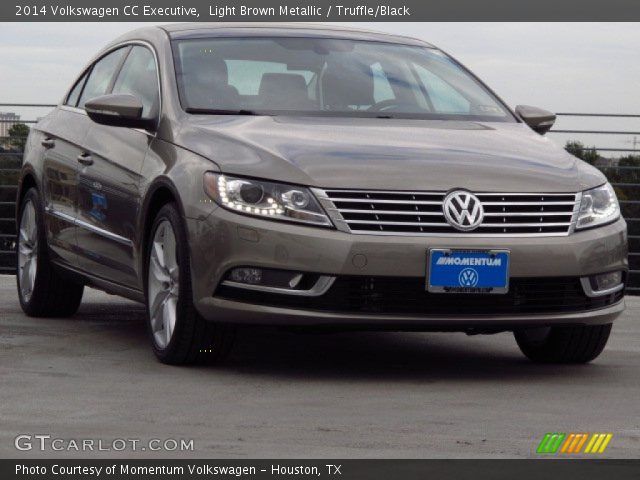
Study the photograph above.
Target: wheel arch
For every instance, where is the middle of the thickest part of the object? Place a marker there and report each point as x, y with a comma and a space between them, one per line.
27, 181
160, 193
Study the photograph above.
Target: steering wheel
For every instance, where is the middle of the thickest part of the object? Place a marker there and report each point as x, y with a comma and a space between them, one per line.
384, 105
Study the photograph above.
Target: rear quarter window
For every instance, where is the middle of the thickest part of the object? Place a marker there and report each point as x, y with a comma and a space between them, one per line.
74, 95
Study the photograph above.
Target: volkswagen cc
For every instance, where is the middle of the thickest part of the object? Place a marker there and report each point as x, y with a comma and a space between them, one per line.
313, 176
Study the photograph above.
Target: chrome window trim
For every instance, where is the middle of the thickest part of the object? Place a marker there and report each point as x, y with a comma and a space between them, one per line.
72, 109
87, 226
322, 285
590, 292
341, 224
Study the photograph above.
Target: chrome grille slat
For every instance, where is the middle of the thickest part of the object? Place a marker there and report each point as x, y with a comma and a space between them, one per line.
394, 212
484, 225
384, 212
417, 224
495, 194
368, 200
441, 194
521, 214
535, 224
534, 204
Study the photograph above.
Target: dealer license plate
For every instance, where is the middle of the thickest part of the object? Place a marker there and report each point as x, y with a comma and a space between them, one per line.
468, 271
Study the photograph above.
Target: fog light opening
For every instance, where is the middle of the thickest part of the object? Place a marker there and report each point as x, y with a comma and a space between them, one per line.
250, 276
278, 281
268, 277
603, 283
606, 281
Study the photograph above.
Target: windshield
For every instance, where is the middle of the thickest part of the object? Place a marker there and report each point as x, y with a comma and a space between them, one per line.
323, 76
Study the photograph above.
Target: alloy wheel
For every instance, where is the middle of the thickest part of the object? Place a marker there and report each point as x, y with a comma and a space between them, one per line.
163, 284
27, 251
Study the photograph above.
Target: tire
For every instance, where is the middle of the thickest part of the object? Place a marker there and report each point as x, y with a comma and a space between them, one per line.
572, 344
179, 335
43, 292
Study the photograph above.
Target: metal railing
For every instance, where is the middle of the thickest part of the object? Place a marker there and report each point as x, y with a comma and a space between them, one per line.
10, 162
9, 168
625, 178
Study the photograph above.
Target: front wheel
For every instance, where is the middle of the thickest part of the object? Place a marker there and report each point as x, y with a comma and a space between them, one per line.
570, 344
179, 334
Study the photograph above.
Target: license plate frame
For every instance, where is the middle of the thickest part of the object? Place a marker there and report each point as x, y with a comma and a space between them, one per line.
439, 285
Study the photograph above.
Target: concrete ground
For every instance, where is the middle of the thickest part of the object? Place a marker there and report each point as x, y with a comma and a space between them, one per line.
287, 395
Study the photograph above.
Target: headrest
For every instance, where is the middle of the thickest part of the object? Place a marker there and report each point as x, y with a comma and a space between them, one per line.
284, 91
347, 84
204, 67
282, 83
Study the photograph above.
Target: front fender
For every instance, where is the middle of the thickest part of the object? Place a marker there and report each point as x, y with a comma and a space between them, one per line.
171, 169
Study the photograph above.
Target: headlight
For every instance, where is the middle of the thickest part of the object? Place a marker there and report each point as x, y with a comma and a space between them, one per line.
260, 198
598, 206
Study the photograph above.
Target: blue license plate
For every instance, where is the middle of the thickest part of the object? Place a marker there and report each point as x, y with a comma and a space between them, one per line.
468, 271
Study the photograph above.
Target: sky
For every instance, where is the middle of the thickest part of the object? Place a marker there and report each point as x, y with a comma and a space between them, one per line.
563, 67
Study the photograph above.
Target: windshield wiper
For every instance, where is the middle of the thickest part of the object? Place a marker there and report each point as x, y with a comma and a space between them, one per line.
243, 111
219, 111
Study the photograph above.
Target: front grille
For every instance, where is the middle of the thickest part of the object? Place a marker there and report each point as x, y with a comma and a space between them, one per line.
407, 296
416, 213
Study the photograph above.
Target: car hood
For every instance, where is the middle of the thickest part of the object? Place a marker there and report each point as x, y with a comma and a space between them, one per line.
394, 154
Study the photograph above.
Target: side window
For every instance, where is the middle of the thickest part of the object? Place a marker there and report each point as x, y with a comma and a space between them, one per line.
101, 75
72, 99
139, 77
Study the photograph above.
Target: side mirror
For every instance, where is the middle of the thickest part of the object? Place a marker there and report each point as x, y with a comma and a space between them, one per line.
118, 111
538, 119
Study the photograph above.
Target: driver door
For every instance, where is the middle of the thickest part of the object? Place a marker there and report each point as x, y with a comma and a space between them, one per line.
109, 180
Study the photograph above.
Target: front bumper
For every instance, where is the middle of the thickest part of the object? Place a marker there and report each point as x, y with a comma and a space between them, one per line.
238, 312
226, 240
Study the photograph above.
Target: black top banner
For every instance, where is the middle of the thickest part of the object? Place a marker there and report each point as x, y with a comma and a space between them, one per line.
317, 11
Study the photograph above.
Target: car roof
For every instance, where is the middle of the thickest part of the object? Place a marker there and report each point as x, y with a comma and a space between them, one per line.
196, 30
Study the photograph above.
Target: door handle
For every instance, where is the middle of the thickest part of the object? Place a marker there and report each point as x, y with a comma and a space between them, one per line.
48, 142
85, 159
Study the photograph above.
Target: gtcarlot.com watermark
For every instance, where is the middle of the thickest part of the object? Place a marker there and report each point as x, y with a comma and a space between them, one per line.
49, 443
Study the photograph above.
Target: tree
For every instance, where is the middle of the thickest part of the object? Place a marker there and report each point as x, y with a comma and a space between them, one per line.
629, 175
18, 136
629, 161
589, 155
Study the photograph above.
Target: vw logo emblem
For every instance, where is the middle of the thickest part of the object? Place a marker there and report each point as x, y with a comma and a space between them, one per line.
463, 210
468, 278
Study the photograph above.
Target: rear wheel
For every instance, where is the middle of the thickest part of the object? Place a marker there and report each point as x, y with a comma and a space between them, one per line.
179, 334
571, 344
43, 292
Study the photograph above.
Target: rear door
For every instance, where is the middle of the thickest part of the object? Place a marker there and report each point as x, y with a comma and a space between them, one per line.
64, 135
61, 134
109, 178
